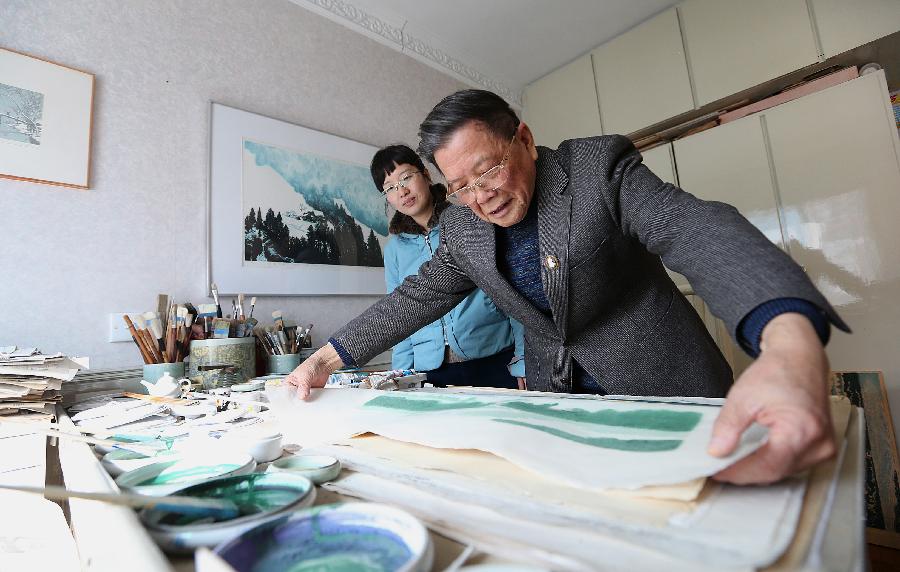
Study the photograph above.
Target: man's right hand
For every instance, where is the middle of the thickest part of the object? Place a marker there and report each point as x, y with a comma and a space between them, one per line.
314, 370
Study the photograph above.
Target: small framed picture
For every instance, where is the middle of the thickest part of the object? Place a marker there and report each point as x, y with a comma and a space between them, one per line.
45, 121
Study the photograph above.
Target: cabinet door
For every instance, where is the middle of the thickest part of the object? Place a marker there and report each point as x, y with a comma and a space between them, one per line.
642, 76
660, 161
837, 160
563, 104
844, 25
733, 45
730, 164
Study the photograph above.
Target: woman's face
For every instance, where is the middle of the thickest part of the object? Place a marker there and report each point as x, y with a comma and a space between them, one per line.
414, 199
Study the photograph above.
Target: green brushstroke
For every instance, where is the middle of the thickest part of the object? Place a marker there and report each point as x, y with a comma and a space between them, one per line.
634, 445
656, 419
426, 405
192, 473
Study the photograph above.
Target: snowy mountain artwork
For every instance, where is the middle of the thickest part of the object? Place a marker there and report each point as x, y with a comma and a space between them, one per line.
305, 208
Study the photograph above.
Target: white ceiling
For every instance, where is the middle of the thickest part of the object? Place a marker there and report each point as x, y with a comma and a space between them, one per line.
501, 45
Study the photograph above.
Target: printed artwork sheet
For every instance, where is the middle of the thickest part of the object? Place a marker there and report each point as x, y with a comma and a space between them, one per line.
593, 444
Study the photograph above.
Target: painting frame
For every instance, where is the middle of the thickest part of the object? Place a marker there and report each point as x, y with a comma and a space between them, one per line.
866, 390
229, 128
46, 113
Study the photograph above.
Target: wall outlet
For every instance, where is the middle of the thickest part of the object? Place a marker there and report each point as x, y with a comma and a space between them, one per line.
118, 329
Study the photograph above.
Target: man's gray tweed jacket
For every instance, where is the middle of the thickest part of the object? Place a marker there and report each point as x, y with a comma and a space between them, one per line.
606, 220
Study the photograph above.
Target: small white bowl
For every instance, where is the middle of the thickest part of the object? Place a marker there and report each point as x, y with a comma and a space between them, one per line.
317, 468
264, 444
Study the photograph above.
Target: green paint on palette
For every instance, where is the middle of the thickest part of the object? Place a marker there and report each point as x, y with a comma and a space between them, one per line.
244, 491
426, 405
633, 445
191, 473
656, 419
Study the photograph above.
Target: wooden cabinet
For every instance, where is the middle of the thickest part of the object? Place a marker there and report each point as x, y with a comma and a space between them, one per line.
563, 104
642, 76
733, 45
843, 25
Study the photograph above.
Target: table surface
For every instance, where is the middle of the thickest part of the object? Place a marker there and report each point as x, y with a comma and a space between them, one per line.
109, 535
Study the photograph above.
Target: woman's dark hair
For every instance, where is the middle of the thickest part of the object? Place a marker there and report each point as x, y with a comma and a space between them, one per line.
456, 110
383, 164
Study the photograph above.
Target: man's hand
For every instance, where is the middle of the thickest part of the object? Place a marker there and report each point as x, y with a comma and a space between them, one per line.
785, 390
314, 370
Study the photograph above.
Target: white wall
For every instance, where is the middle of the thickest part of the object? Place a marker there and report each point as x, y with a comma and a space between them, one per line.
69, 257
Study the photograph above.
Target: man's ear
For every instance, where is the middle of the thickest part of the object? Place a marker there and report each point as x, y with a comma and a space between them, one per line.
523, 134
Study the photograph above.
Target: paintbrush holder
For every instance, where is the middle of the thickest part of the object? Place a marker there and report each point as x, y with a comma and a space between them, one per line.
154, 371
284, 363
222, 362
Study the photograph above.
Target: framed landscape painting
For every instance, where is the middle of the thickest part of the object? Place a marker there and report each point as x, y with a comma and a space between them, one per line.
292, 211
45, 121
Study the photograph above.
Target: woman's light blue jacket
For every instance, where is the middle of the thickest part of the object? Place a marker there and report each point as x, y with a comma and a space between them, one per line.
475, 328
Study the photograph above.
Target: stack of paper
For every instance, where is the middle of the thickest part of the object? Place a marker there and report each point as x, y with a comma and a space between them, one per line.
30, 382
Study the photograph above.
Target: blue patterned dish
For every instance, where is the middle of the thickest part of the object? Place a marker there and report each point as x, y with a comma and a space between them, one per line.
351, 536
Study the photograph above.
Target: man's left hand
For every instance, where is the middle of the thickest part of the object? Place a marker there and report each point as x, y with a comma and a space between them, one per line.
785, 390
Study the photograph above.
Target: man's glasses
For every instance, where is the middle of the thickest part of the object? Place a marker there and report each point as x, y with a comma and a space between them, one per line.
490, 180
402, 183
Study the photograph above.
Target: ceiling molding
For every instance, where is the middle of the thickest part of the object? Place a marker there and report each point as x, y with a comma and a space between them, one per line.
359, 20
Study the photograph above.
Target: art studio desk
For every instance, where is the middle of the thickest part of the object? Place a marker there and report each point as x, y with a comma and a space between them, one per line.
829, 536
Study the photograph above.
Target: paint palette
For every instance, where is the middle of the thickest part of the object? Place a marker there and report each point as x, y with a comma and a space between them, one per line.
351, 536
120, 461
261, 497
166, 476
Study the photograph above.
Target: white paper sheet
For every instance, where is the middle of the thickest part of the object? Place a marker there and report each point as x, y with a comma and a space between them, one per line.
593, 444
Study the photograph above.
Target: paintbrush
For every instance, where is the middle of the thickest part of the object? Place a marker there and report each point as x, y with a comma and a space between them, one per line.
143, 449
220, 509
279, 320
145, 353
162, 309
215, 294
240, 306
149, 343
252, 303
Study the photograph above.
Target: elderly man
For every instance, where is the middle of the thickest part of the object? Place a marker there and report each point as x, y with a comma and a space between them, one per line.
569, 242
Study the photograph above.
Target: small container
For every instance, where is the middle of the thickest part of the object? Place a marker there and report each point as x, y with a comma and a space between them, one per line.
225, 361
284, 363
154, 371
350, 536
317, 468
261, 497
262, 443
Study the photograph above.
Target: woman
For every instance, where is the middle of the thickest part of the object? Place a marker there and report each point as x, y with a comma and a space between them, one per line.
473, 344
